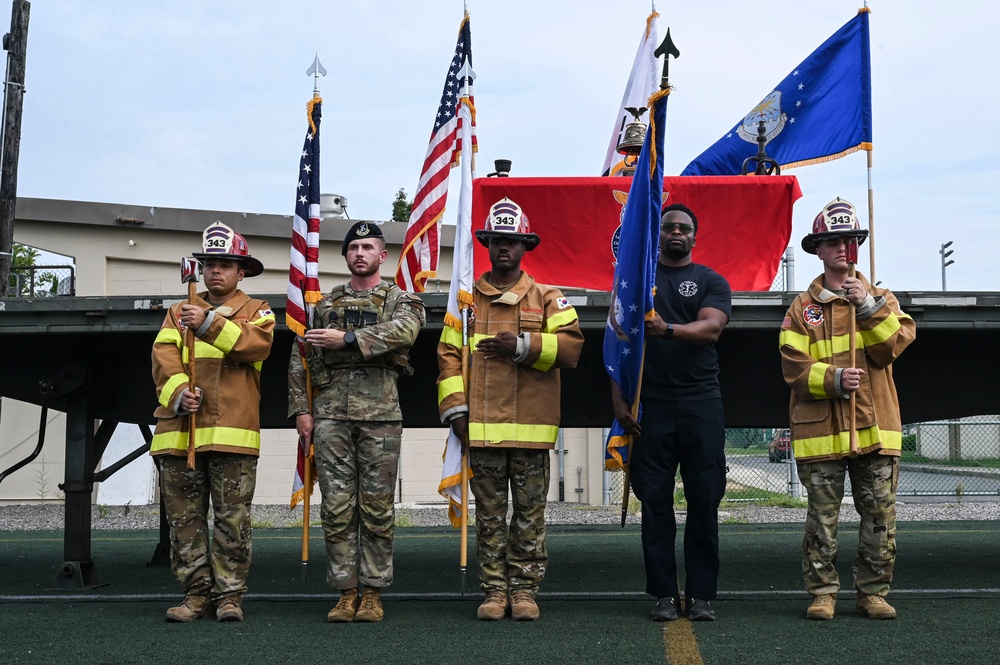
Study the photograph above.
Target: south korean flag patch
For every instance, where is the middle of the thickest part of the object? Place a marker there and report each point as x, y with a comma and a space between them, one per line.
562, 303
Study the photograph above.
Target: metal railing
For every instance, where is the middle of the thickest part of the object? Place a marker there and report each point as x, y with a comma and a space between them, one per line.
42, 281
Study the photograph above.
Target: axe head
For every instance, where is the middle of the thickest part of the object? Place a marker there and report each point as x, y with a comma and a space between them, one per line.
852, 251
190, 270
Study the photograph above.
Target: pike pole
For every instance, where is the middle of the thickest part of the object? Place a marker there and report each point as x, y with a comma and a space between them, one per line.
852, 258
190, 276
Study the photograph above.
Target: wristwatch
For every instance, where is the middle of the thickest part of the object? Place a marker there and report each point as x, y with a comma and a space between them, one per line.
670, 330
350, 339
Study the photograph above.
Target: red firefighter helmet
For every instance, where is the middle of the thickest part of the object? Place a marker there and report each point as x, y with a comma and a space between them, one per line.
506, 220
837, 218
221, 242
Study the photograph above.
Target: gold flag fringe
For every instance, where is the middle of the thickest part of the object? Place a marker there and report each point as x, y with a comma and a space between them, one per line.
309, 112
649, 22
651, 105
864, 145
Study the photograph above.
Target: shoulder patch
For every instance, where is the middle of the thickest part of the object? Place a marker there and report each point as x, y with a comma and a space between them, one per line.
813, 314
562, 303
786, 322
264, 312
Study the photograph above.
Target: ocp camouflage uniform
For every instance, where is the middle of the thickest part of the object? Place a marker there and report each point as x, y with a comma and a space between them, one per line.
815, 349
873, 482
513, 411
229, 350
358, 425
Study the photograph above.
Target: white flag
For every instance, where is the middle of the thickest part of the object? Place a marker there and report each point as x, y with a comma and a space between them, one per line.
642, 82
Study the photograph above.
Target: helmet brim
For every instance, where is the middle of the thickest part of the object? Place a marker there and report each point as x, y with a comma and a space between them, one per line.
251, 266
530, 240
811, 241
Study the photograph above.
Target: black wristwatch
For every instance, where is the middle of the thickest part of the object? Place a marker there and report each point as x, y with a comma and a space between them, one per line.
350, 339
670, 330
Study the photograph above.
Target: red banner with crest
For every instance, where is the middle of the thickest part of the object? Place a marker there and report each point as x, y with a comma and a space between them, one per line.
744, 224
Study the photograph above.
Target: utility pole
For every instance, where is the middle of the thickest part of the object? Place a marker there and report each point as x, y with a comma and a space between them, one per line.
945, 262
15, 43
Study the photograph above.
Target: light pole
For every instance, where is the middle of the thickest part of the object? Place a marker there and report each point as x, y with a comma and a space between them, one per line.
945, 262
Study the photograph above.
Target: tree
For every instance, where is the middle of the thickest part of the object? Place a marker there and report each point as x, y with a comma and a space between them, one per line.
45, 283
401, 208
24, 256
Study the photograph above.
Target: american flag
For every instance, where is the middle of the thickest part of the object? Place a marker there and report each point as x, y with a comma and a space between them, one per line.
421, 246
303, 273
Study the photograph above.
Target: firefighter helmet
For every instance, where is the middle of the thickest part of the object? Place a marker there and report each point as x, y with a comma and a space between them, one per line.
506, 220
838, 218
221, 242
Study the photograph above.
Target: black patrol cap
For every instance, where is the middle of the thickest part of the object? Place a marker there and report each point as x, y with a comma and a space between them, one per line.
361, 230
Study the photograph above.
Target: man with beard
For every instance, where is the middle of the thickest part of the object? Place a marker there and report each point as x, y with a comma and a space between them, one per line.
356, 348
682, 422
523, 334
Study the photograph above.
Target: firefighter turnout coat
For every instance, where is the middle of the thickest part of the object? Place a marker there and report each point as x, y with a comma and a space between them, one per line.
229, 353
512, 403
815, 349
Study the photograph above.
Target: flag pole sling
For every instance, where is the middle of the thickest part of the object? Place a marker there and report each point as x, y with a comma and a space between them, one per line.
631, 439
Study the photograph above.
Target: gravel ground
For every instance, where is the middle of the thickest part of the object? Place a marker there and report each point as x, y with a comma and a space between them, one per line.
51, 516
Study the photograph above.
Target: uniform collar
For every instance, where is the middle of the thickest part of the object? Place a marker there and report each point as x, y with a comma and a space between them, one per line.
514, 294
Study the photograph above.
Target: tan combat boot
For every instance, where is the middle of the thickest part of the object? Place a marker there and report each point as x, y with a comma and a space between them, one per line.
371, 606
346, 608
523, 607
822, 607
875, 607
191, 608
494, 607
229, 608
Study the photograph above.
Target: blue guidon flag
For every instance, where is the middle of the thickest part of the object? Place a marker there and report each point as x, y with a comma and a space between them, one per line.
820, 112
635, 278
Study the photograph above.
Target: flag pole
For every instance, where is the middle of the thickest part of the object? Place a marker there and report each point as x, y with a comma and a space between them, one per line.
871, 221
666, 49
307, 480
852, 257
463, 552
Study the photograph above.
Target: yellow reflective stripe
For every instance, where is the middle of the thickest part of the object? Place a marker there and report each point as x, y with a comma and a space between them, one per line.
206, 436
550, 346
840, 444
449, 387
257, 365
475, 339
499, 432
560, 319
817, 373
228, 337
170, 386
269, 317
205, 350
881, 332
797, 341
168, 336
451, 336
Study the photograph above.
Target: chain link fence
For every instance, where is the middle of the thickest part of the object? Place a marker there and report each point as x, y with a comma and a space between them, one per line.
42, 281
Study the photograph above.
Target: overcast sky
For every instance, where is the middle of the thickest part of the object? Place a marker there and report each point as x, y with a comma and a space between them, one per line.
202, 104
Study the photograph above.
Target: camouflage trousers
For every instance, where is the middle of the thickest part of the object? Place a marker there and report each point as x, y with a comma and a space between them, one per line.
514, 558
218, 569
874, 479
357, 464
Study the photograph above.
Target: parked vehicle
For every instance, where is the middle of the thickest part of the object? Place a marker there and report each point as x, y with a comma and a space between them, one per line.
780, 448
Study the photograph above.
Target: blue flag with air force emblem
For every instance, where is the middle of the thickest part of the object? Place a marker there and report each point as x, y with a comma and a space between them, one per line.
635, 277
821, 111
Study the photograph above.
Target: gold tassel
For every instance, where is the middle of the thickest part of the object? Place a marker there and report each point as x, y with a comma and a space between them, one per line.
649, 22
865, 145
309, 112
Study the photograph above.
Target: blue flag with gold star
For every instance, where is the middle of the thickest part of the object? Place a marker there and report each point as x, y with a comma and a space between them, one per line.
635, 276
821, 111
